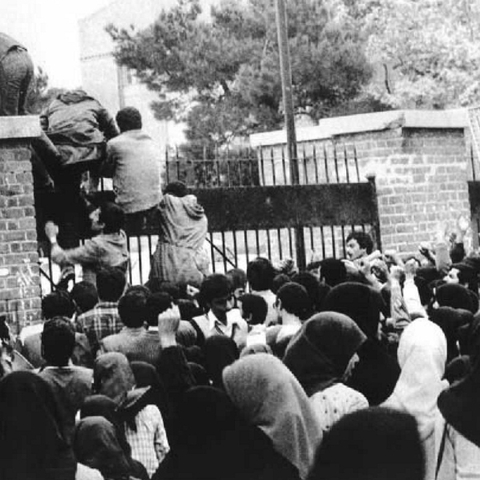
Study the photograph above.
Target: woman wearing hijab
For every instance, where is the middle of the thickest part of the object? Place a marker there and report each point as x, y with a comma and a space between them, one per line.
422, 353
269, 396
143, 422
215, 443
323, 355
451, 321
220, 351
31, 443
456, 296
96, 445
372, 444
377, 372
459, 429
102, 406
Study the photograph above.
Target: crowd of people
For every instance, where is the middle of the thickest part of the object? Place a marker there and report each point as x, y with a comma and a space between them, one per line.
361, 368
364, 368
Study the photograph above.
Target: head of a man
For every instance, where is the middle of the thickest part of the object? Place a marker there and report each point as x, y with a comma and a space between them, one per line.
129, 118
292, 299
216, 295
157, 303
85, 296
111, 283
57, 303
260, 274
58, 341
359, 244
132, 308
107, 218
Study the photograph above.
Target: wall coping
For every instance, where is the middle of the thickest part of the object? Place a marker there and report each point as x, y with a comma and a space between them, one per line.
19, 127
368, 122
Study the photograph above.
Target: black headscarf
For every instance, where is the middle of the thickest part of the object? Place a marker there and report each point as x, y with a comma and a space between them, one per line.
459, 405
102, 406
319, 354
377, 373
456, 296
31, 443
96, 446
215, 443
220, 351
451, 320
371, 444
361, 303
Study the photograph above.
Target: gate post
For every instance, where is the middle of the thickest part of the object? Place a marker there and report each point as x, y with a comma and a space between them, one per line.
19, 268
376, 224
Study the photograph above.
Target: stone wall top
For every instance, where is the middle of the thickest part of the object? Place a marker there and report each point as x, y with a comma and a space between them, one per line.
19, 127
368, 122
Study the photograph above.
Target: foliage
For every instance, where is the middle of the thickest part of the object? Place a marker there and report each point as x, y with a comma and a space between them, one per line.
221, 73
431, 49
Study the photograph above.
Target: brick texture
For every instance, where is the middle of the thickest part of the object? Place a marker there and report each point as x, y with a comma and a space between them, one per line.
19, 270
421, 176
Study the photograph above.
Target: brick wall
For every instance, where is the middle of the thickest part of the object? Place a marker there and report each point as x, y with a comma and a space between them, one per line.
19, 270
420, 161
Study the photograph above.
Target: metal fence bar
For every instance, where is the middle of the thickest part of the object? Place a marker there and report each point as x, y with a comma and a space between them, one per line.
325, 160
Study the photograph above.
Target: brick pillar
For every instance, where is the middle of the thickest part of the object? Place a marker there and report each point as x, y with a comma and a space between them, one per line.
19, 268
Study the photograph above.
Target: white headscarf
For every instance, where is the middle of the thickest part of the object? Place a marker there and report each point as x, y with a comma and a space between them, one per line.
422, 354
270, 397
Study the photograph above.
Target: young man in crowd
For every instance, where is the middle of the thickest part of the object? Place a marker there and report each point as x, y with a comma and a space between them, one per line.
103, 319
107, 249
216, 296
70, 384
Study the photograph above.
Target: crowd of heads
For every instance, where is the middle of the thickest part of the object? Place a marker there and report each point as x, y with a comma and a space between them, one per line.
336, 372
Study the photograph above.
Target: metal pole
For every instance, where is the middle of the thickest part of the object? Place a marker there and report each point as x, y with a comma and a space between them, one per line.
286, 76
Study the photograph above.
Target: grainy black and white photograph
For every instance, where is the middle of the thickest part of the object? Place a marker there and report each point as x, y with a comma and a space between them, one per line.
239, 240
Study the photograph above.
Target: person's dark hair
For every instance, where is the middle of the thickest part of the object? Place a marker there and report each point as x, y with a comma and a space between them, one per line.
58, 341
363, 239
112, 216
214, 286
260, 274
85, 296
188, 309
238, 277
279, 280
177, 189
256, 306
110, 284
58, 303
132, 308
313, 287
170, 288
129, 118
381, 443
157, 303
333, 271
295, 299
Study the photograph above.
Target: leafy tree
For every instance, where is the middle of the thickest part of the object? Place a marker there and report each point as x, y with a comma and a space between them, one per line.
430, 48
221, 74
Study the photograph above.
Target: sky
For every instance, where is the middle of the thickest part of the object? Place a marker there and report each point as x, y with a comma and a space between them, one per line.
49, 30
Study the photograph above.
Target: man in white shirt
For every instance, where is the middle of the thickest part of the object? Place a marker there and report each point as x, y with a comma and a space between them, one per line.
216, 296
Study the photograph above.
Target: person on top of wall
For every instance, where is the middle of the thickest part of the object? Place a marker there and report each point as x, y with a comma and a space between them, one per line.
134, 163
16, 74
76, 128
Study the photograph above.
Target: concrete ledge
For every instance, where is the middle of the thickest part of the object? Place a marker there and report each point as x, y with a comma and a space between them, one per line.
368, 122
19, 127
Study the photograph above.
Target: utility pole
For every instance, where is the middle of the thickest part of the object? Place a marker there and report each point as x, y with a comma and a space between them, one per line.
287, 92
